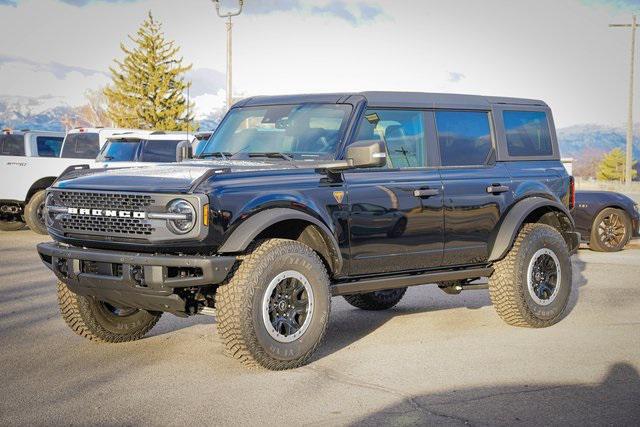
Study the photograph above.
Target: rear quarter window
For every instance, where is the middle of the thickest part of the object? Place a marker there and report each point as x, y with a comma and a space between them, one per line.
527, 133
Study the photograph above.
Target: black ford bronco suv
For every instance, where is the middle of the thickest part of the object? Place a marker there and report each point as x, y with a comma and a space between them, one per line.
296, 199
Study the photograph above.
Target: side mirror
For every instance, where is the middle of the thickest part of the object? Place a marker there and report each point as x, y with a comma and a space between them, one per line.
367, 154
184, 151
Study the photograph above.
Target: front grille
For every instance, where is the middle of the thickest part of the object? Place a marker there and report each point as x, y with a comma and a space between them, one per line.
116, 216
106, 200
119, 226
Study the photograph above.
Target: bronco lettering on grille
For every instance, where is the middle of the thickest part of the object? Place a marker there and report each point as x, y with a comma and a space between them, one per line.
107, 212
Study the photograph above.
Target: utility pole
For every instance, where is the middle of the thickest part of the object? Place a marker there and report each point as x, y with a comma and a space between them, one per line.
629, 158
229, 25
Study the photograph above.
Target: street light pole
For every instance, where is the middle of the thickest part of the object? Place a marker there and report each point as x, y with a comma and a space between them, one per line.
229, 26
629, 157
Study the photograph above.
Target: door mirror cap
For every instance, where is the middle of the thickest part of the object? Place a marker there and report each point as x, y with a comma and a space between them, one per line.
367, 154
184, 151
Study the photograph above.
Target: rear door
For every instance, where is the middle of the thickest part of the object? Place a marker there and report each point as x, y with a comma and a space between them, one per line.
477, 190
395, 217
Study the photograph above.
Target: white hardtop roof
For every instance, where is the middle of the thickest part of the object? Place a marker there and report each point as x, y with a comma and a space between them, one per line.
100, 130
153, 135
8, 131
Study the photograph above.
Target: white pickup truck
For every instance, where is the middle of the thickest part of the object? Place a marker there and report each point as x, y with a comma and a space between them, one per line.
31, 161
143, 147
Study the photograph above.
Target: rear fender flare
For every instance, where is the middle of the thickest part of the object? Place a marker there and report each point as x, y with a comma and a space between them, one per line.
514, 219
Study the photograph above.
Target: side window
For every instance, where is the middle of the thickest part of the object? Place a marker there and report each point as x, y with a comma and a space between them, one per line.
48, 146
159, 151
403, 133
12, 145
464, 137
527, 133
81, 146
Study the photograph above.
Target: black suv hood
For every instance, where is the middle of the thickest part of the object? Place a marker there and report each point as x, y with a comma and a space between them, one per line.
163, 178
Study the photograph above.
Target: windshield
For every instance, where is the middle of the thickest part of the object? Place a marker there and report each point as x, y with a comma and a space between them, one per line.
302, 132
119, 151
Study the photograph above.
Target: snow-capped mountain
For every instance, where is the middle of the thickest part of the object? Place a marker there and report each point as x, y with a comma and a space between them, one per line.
17, 112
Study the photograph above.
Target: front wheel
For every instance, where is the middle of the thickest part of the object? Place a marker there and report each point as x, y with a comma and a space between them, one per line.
34, 213
100, 321
274, 310
530, 287
611, 231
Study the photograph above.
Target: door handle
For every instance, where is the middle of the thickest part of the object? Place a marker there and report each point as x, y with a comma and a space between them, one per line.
426, 192
497, 188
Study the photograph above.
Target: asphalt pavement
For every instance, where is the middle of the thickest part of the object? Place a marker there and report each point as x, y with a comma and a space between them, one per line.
434, 359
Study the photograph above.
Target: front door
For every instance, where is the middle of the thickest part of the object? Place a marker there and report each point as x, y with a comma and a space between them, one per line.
395, 212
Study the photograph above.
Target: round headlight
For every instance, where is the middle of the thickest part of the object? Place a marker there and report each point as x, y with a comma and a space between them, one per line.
183, 208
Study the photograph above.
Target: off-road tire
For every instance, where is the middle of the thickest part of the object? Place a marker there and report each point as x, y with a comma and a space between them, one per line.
508, 285
595, 241
11, 225
33, 213
239, 305
375, 301
88, 317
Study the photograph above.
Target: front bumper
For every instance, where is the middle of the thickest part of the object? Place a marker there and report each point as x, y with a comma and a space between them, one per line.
138, 280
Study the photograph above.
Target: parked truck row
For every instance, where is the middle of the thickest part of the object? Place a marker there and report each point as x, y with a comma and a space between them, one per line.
33, 160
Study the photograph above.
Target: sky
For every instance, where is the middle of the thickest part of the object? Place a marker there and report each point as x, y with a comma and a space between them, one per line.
560, 51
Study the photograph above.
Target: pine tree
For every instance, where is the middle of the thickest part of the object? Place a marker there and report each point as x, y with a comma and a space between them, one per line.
611, 168
148, 85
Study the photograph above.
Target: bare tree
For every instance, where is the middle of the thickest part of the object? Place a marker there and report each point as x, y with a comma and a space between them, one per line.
94, 112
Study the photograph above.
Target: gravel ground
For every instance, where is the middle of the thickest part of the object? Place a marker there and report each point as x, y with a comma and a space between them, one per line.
434, 359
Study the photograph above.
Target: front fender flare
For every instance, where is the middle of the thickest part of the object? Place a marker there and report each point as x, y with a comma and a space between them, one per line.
513, 221
246, 232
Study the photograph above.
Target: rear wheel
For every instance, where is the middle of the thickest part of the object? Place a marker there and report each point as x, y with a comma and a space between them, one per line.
12, 225
611, 231
274, 310
34, 213
100, 321
378, 300
530, 287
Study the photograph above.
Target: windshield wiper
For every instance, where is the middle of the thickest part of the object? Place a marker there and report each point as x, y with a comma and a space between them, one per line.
222, 154
272, 155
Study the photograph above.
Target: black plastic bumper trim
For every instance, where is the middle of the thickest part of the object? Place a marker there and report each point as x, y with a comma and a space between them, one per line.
214, 269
